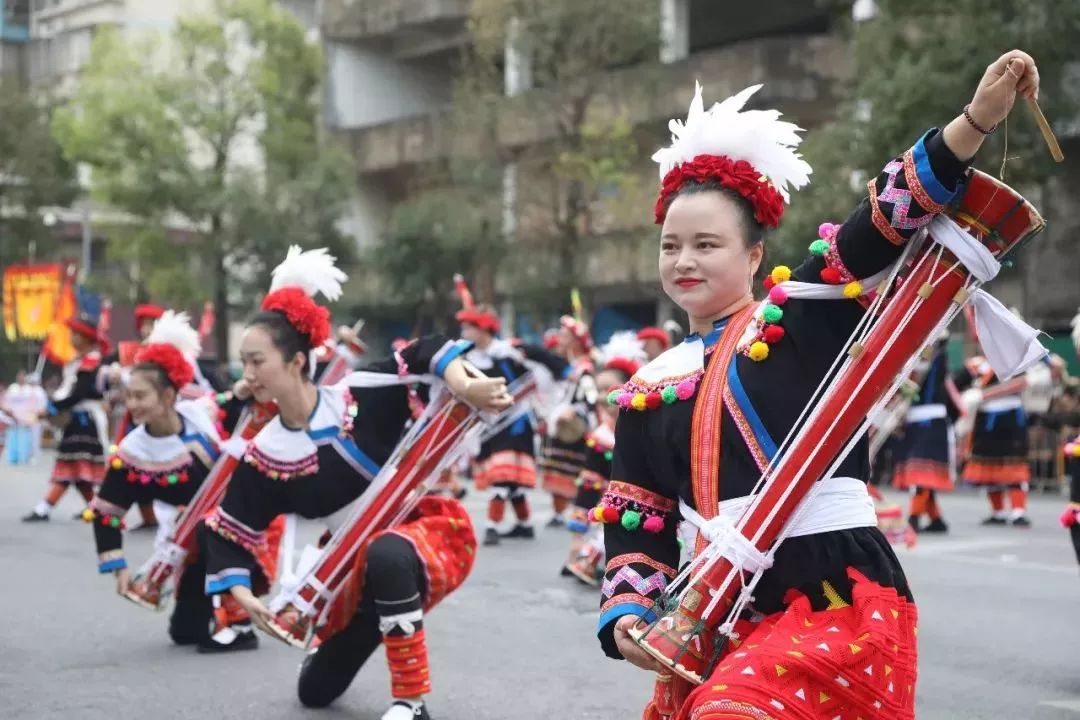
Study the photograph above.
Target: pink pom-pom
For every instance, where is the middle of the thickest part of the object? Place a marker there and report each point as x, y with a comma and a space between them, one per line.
1070, 449
653, 524
625, 399
778, 295
826, 230
1068, 518
685, 389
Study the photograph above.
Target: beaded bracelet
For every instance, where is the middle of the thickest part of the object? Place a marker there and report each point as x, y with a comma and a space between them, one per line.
977, 126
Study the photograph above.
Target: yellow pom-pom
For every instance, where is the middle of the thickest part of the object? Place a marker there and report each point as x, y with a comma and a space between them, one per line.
598, 514
780, 273
759, 351
88, 515
638, 403
1076, 450
853, 289
113, 449
591, 442
117, 463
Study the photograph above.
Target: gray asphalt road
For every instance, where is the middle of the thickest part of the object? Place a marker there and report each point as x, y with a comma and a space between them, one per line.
999, 631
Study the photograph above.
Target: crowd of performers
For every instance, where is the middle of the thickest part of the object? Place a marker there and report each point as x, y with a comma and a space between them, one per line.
628, 439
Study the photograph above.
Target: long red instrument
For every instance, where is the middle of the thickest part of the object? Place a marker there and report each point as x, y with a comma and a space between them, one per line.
149, 586
433, 443
685, 637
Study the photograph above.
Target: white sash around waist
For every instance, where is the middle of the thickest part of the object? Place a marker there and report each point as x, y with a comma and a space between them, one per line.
1005, 404
922, 413
840, 503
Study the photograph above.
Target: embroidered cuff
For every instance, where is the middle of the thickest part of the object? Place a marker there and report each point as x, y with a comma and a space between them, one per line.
228, 578
111, 560
641, 584
633, 507
446, 354
929, 191
628, 604
233, 530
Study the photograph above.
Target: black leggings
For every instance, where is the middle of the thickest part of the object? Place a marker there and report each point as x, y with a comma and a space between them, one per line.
190, 621
394, 585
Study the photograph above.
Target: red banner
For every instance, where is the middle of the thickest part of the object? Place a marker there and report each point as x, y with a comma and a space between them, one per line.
30, 297
58, 348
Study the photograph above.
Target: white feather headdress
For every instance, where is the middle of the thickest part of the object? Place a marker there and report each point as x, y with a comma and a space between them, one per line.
174, 328
625, 345
757, 136
313, 271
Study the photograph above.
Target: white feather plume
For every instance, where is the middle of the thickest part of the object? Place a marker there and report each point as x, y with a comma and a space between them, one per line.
313, 271
174, 328
623, 344
1076, 332
757, 136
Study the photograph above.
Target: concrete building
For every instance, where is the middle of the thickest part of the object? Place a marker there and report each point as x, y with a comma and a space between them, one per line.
14, 34
390, 72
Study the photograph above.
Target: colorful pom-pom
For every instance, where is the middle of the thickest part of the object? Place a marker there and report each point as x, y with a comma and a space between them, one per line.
853, 290
590, 442
611, 515
88, 515
631, 520
778, 295
114, 522
819, 247
780, 274
1068, 518
608, 455
768, 283
354, 410
653, 400
638, 401
173, 478
669, 394
144, 478
1076, 450
773, 333
758, 351
116, 463
613, 397
222, 398
625, 399
772, 313
578, 482
827, 230
831, 276
653, 524
597, 514
1070, 448
685, 389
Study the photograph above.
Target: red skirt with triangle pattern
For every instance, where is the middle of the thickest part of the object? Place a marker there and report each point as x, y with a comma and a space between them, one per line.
855, 661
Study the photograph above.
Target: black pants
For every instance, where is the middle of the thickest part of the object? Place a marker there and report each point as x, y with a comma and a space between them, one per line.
394, 584
190, 621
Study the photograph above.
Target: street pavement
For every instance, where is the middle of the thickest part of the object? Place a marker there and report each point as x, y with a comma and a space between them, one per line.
999, 611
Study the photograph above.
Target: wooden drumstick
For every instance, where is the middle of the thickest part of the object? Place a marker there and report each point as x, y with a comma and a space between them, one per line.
1047, 131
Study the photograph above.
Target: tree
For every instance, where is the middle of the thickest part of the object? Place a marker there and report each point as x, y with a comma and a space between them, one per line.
916, 64
212, 140
572, 152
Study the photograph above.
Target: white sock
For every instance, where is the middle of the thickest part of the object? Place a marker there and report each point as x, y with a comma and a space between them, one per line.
1018, 513
42, 509
403, 710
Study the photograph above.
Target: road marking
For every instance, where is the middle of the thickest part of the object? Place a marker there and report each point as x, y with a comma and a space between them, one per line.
951, 547
1073, 705
999, 563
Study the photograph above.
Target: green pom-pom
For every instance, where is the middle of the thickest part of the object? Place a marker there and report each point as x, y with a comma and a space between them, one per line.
354, 410
222, 398
669, 395
772, 313
631, 519
578, 482
114, 521
173, 478
819, 247
608, 455
613, 397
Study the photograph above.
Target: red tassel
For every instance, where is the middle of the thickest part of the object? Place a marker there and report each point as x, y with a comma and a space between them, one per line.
768, 282
773, 334
831, 276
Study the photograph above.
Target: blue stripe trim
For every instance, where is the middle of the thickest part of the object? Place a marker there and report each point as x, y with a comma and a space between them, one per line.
220, 585
617, 611
110, 565
201, 439
458, 349
768, 446
349, 446
933, 187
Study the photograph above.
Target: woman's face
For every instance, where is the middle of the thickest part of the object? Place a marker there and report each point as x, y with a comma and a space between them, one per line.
266, 370
81, 343
705, 266
143, 400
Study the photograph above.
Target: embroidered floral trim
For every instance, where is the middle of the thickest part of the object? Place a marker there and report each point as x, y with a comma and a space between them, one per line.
633, 508
625, 598
636, 396
911, 174
621, 560
642, 585
277, 469
228, 527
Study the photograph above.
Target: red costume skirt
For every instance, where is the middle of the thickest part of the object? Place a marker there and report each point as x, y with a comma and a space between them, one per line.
442, 534
505, 466
852, 660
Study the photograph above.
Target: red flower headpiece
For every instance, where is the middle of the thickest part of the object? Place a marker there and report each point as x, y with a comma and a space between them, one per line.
738, 175
623, 365
170, 359
308, 317
655, 333
483, 320
148, 312
578, 329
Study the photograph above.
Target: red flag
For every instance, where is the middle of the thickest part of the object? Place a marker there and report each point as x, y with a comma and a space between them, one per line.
206, 324
58, 348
